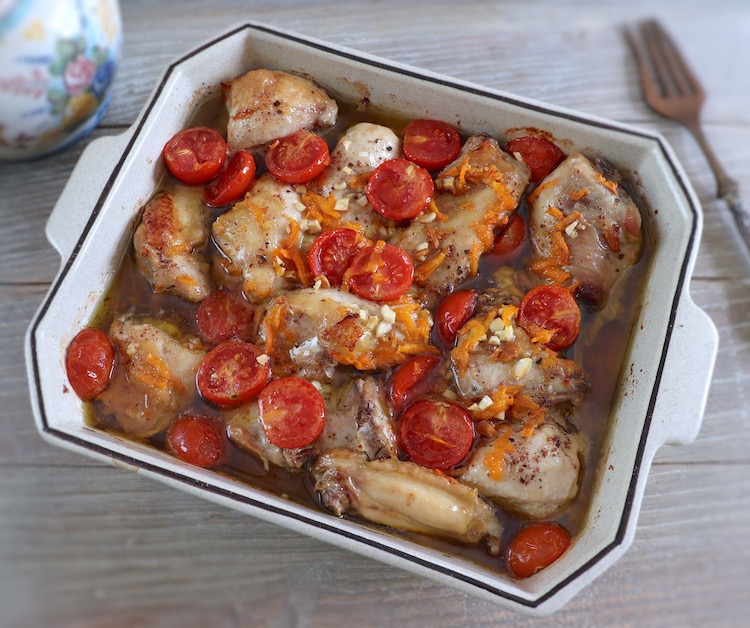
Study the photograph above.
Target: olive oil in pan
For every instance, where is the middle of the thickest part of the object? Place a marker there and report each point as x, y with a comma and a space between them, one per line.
599, 350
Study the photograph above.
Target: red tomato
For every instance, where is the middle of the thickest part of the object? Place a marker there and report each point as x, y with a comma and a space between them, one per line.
431, 144
292, 412
233, 182
550, 308
453, 311
89, 362
332, 252
297, 158
408, 375
230, 374
540, 155
399, 189
197, 440
223, 315
195, 155
436, 434
380, 272
508, 242
535, 547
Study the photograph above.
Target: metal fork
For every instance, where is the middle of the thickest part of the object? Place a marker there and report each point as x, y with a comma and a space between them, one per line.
671, 89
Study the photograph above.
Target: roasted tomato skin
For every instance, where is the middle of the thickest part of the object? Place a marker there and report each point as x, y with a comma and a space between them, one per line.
332, 252
509, 242
292, 412
540, 155
453, 311
399, 190
436, 434
197, 440
409, 375
547, 308
298, 157
432, 144
534, 547
380, 272
223, 315
195, 155
231, 373
89, 361
233, 182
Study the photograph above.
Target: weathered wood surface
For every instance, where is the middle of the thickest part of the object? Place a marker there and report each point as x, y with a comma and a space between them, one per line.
83, 544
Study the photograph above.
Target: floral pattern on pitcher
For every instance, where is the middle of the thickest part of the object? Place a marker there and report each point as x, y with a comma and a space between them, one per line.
54, 84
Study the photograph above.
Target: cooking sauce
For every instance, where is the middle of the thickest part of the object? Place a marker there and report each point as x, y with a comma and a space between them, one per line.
599, 350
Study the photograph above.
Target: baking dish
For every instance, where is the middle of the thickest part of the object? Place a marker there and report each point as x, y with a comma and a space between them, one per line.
658, 401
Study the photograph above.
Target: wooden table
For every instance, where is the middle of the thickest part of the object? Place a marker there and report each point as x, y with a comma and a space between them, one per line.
84, 544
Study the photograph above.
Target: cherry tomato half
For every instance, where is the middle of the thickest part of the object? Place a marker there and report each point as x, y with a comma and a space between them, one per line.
436, 434
233, 182
432, 144
508, 242
197, 440
297, 158
292, 412
399, 189
89, 361
407, 376
380, 272
535, 547
551, 308
223, 315
453, 311
333, 251
230, 373
195, 155
540, 155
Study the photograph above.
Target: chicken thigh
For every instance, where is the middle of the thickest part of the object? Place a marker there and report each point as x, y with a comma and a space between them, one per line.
264, 105
529, 469
168, 243
477, 193
584, 228
260, 237
157, 378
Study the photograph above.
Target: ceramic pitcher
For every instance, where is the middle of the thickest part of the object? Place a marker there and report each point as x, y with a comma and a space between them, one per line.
57, 61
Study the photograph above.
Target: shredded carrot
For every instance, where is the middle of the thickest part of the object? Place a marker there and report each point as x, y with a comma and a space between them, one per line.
502, 399
426, 268
578, 194
321, 208
568, 220
543, 336
476, 252
554, 212
439, 216
535, 194
289, 250
508, 313
494, 461
610, 185
469, 336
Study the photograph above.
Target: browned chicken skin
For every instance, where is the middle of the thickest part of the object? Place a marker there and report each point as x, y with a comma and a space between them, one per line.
168, 243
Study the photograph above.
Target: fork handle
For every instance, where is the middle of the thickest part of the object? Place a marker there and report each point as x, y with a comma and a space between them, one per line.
727, 188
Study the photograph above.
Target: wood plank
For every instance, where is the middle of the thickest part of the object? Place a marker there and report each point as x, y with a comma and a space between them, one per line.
98, 551
595, 73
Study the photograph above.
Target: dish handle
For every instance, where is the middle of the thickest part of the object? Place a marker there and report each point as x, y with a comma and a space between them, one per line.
74, 208
688, 368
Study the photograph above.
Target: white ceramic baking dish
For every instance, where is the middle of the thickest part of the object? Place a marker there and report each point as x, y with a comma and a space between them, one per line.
659, 400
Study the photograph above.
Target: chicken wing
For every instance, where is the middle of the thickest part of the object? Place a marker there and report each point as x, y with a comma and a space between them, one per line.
156, 380
584, 228
168, 243
404, 496
264, 105
478, 192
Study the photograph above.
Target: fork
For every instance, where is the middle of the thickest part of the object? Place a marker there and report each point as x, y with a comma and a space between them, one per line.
671, 89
